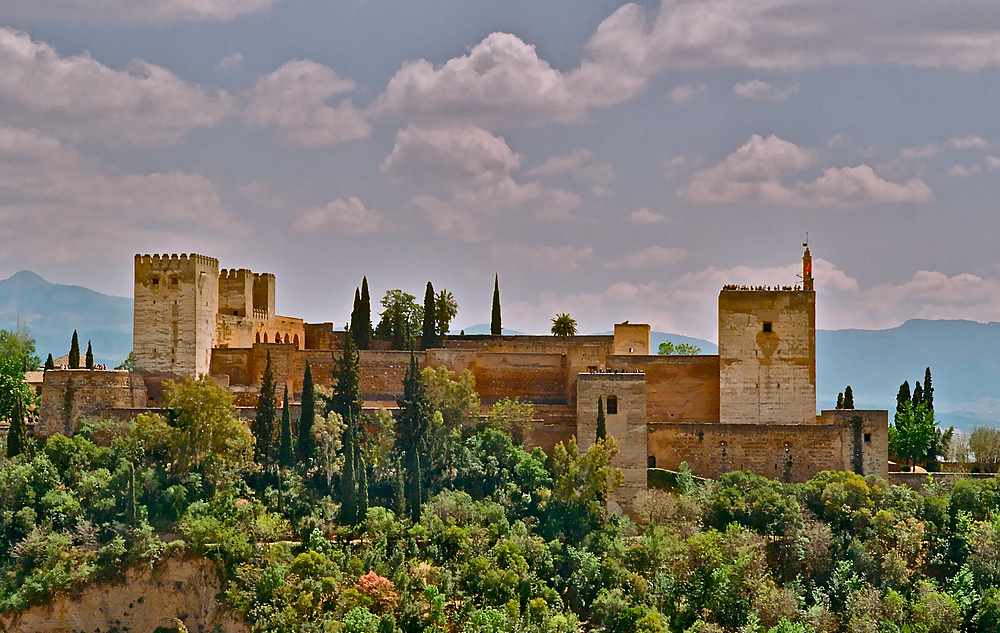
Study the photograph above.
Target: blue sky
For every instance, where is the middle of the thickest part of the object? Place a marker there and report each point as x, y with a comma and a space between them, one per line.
613, 161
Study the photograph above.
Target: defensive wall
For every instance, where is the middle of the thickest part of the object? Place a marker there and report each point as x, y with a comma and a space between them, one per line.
71, 397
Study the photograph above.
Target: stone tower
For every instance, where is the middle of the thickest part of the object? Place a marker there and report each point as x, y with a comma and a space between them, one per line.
176, 305
767, 354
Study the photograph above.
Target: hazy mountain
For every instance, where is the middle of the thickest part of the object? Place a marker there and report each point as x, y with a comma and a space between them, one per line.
52, 311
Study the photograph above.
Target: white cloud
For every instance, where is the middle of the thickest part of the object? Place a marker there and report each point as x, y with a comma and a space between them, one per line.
757, 90
293, 99
650, 257
548, 259
132, 12
684, 93
231, 62
581, 164
78, 97
919, 153
645, 216
969, 142
754, 173
348, 216
457, 156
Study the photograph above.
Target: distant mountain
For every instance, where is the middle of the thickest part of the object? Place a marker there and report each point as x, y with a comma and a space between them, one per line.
51, 312
484, 328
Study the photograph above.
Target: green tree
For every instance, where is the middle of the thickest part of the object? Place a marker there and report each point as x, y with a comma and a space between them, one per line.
285, 456
128, 363
89, 358
928, 398
445, 309
304, 446
19, 346
356, 326
429, 326
563, 325
412, 424
13, 391
364, 326
918, 394
681, 349
602, 429
453, 395
346, 401
840, 400
511, 416
50, 363
74, 352
911, 438
984, 442
264, 419
848, 398
495, 325
401, 319
327, 440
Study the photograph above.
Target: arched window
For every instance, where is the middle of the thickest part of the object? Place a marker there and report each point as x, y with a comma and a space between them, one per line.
295, 341
258, 337
612, 405
265, 337
287, 340
277, 337
651, 461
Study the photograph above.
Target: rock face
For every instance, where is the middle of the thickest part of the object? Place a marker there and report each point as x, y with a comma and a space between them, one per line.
148, 599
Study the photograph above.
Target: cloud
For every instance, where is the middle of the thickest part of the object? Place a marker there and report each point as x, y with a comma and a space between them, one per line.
348, 216
684, 93
231, 62
969, 142
54, 201
78, 97
293, 100
919, 153
754, 173
645, 216
757, 90
581, 164
651, 257
457, 156
548, 259
132, 12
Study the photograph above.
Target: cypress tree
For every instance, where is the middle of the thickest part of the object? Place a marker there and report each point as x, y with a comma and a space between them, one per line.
928, 390
412, 425
89, 358
49, 363
602, 429
304, 447
263, 423
355, 327
285, 456
840, 400
348, 478
400, 340
365, 321
347, 402
429, 331
848, 398
74, 352
902, 399
17, 435
495, 327
918, 395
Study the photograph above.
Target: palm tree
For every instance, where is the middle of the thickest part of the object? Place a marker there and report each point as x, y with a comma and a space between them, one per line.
563, 325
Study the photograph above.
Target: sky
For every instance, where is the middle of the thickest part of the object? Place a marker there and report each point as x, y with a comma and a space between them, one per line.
612, 161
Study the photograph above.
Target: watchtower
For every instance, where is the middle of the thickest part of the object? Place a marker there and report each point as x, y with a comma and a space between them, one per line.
175, 307
767, 353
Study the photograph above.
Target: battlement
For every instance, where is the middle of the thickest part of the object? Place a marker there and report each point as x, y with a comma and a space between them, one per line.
173, 260
264, 276
235, 274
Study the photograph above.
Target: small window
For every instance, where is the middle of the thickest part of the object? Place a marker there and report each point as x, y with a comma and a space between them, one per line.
257, 336
868, 438
651, 461
156, 281
173, 281
767, 327
612, 405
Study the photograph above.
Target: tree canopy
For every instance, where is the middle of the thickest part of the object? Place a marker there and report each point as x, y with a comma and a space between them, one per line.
563, 325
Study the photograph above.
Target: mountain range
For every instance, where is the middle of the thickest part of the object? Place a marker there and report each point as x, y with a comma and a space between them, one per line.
964, 356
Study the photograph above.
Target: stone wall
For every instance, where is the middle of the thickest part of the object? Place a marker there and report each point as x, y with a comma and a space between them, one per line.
679, 389
866, 438
631, 339
72, 396
767, 357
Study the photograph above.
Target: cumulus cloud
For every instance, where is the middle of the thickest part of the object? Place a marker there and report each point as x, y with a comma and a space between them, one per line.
347, 216
754, 173
458, 156
231, 62
548, 259
581, 165
78, 97
684, 93
757, 90
293, 100
645, 216
650, 257
969, 142
131, 12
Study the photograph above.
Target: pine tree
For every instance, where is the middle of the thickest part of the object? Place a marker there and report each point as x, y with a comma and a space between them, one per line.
840, 400
412, 425
495, 327
848, 398
365, 317
428, 332
285, 456
89, 358
49, 363
17, 435
602, 429
263, 423
74, 352
304, 447
928, 390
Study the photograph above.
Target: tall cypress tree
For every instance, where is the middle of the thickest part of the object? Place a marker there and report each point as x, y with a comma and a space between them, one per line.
304, 446
495, 327
928, 390
285, 456
74, 352
346, 401
263, 423
848, 398
412, 424
50, 363
902, 399
840, 400
17, 435
355, 326
89, 358
365, 320
429, 331
918, 394
602, 429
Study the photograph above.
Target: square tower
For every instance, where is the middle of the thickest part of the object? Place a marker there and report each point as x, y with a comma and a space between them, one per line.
767, 356
174, 315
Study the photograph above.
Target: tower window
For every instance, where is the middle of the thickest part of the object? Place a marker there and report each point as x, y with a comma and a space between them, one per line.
156, 281
868, 438
767, 327
612, 405
173, 281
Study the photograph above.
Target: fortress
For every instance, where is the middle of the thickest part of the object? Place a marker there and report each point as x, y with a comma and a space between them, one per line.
752, 407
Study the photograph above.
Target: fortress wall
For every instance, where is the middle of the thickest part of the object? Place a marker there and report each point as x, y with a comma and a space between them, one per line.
72, 396
234, 331
679, 389
631, 339
866, 438
555, 423
780, 451
323, 336
521, 344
